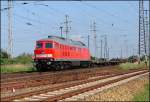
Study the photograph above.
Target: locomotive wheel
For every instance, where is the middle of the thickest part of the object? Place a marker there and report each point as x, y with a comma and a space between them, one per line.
57, 67
68, 65
39, 67
62, 67
92, 65
84, 65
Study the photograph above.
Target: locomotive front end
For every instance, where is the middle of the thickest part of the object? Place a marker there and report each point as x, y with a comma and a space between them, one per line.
43, 54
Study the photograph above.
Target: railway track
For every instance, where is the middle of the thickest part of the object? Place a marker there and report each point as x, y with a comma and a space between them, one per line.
51, 78
71, 89
5, 77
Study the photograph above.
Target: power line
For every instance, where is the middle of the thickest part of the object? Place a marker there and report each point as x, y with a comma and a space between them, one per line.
106, 12
27, 18
131, 5
33, 13
23, 17
88, 40
62, 13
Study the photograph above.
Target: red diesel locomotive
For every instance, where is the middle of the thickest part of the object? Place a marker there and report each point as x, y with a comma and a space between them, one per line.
59, 53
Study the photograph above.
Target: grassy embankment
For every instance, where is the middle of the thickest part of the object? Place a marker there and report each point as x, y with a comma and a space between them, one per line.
143, 96
17, 68
127, 66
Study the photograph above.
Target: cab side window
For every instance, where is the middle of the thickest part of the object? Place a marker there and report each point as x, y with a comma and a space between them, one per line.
48, 45
39, 45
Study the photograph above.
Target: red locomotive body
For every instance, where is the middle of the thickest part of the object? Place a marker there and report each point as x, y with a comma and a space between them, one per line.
58, 53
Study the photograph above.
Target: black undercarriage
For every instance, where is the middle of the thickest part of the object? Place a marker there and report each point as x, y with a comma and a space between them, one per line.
50, 64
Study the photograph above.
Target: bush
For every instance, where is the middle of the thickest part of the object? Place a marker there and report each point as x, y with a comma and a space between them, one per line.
7, 61
4, 57
126, 66
133, 59
4, 54
24, 59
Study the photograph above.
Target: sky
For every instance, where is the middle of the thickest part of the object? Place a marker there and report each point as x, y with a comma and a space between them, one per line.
35, 20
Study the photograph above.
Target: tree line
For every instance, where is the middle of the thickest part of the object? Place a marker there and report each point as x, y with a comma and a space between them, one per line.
24, 58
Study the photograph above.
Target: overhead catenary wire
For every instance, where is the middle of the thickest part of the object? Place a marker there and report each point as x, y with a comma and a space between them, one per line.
133, 6
107, 24
50, 8
106, 12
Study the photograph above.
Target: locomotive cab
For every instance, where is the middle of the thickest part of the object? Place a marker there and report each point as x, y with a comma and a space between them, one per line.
43, 49
43, 54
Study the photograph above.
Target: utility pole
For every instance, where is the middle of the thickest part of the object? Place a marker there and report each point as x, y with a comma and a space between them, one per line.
142, 39
95, 39
108, 53
61, 30
127, 49
146, 35
146, 32
101, 48
123, 45
93, 30
67, 26
105, 46
121, 53
107, 49
140, 5
149, 34
88, 41
10, 39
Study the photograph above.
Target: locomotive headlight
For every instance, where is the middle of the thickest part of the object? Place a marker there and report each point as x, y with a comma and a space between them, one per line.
44, 55
48, 63
49, 55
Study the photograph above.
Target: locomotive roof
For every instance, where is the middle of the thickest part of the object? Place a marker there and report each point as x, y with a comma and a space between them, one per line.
65, 41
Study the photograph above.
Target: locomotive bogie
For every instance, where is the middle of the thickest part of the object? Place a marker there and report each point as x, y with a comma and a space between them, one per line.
47, 64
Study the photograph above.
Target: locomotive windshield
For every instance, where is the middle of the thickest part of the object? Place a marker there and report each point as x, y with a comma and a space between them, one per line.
39, 45
48, 45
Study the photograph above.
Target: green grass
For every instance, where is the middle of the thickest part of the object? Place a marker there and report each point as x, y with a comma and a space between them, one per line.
143, 96
16, 68
126, 66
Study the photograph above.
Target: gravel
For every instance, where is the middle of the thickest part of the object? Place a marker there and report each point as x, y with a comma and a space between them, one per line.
124, 92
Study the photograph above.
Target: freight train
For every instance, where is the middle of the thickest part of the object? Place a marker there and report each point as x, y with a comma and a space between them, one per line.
59, 53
